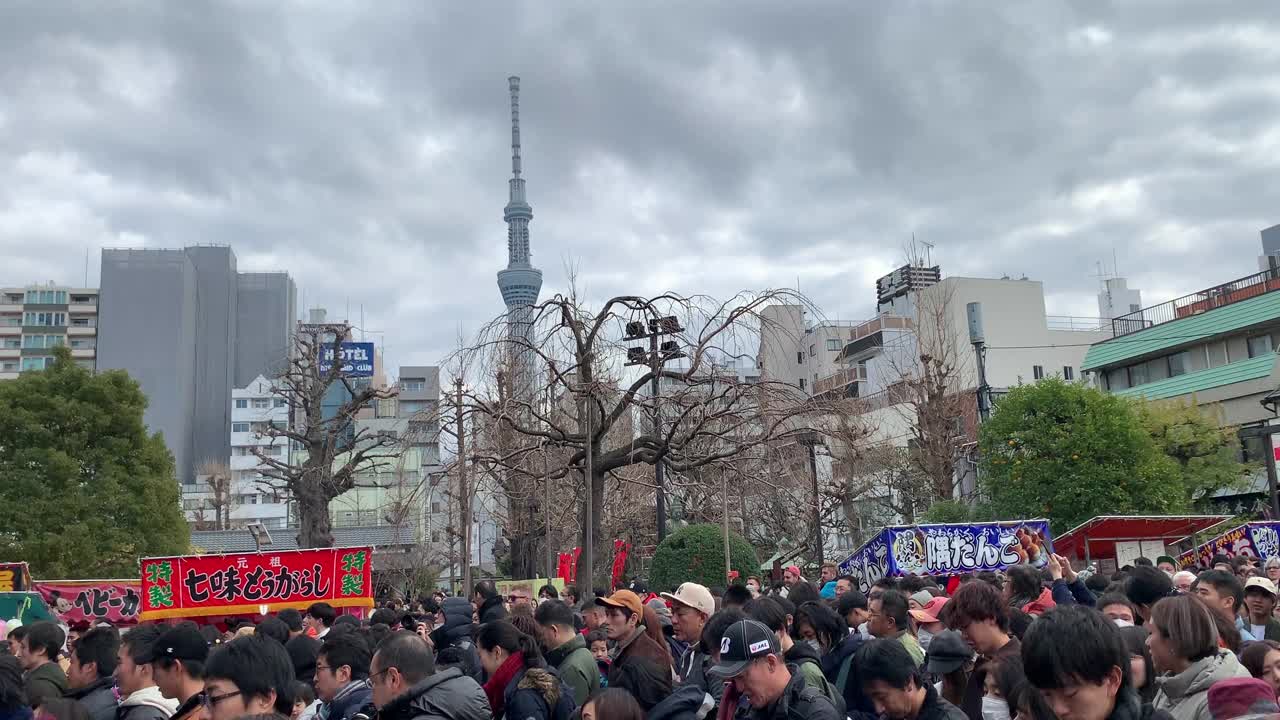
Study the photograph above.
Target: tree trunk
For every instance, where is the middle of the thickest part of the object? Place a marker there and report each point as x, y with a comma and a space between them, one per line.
315, 530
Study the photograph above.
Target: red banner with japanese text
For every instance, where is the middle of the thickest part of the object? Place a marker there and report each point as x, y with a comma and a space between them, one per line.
77, 602
248, 583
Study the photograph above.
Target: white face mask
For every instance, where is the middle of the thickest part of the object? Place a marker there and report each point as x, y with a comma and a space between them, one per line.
817, 646
994, 708
1121, 622
924, 637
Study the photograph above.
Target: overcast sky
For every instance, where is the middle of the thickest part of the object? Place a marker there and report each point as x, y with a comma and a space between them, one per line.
734, 145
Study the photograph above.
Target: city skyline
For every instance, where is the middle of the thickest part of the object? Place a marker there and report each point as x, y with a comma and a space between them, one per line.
750, 148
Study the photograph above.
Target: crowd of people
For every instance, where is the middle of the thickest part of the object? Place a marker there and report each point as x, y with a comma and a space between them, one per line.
1150, 641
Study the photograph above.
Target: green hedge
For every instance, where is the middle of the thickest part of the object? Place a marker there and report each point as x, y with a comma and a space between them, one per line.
696, 554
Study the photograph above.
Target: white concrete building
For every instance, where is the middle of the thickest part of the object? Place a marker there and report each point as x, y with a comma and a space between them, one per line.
35, 319
253, 410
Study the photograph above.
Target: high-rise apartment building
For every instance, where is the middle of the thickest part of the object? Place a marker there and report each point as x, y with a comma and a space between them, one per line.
38, 318
186, 325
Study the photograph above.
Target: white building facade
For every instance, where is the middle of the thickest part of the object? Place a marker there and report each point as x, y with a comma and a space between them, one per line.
35, 319
254, 409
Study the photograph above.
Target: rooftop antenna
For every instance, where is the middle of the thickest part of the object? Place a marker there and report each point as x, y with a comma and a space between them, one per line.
86, 267
928, 252
1115, 262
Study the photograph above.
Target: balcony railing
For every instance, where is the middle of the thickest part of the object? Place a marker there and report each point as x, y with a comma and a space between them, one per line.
1247, 287
1077, 324
839, 379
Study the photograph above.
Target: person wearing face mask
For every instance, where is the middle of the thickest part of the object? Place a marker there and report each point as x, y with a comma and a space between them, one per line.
896, 686
928, 624
807, 659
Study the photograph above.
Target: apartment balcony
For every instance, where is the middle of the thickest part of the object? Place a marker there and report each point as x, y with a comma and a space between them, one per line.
81, 330
839, 383
1239, 290
83, 353
869, 334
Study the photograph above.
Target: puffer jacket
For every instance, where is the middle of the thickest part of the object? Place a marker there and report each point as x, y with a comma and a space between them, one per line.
446, 695
537, 694
688, 702
454, 646
1185, 695
492, 609
98, 699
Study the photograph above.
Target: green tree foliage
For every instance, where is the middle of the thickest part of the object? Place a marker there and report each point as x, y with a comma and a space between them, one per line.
1070, 452
1194, 437
84, 492
696, 554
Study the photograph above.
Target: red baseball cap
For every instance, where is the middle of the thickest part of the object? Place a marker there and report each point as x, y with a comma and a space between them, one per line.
929, 613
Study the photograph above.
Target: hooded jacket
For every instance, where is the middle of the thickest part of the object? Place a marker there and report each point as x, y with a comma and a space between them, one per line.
45, 682
856, 703
446, 695
809, 663
691, 667
491, 609
453, 641
146, 704
1185, 695
798, 701
577, 668
537, 694
98, 699
688, 702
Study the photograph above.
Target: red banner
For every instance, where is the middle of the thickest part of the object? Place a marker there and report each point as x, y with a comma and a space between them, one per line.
620, 551
77, 602
248, 583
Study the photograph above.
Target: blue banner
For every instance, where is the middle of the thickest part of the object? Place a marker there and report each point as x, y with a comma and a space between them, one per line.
949, 550
1260, 540
357, 359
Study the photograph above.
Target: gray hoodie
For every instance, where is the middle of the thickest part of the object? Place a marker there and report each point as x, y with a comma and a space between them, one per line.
147, 704
1185, 695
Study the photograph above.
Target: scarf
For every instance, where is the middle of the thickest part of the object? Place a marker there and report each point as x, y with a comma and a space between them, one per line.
496, 688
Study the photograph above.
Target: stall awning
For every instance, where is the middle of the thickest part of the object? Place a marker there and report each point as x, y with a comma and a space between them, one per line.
1103, 532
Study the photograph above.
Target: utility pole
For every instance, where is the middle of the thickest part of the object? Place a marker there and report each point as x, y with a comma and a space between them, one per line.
658, 479
464, 492
657, 356
546, 512
978, 338
728, 565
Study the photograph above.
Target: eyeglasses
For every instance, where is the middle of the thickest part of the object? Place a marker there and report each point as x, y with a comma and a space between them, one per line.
210, 700
383, 671
517, 598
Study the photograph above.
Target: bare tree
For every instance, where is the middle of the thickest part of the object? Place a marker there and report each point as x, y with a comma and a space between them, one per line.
330, 450
217, 476
585, 394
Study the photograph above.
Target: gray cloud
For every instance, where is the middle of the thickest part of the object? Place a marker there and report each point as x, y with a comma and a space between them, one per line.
667, 147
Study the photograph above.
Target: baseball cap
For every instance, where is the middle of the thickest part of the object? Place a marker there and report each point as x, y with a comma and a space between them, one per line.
743, 642
1262, 584
922, 597
948, 652
624, 599
179, 643
695, 596
794, 570
929, 613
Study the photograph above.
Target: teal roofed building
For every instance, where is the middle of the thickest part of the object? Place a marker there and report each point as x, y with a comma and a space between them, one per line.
1215, 346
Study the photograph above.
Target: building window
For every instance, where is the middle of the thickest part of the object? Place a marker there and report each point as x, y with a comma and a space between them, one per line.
82, 322
801, 383
813, 350
47, 297
278, 402
435, 536
242, 403
261, 403
35, 363
800, 357
1037, 372
1179, 363
9, 366
435, 506
1068, 373
12, 343
833, 344
413, 385
1259, 345
44, 319
240, 427
1138, 375
1134, 307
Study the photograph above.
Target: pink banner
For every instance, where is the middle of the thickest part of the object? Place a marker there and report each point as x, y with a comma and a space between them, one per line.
77, 602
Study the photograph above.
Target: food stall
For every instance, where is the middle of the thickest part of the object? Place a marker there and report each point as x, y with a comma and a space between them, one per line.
1260, 540
1114, 541
255, 583
81, 603
952, 549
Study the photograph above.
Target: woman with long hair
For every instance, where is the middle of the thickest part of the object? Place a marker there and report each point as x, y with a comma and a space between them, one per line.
520, 686
1185, 651
1262, 659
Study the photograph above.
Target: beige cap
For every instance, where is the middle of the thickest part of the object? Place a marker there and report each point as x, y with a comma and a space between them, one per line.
695, 596
1261, 582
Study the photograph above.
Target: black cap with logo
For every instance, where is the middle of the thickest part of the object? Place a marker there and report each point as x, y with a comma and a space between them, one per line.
744, 641
180, 643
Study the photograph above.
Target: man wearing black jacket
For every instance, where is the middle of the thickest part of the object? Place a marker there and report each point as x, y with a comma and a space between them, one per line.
452, 640
488, 602
891, 678
177, 664
751, 659
89, 675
